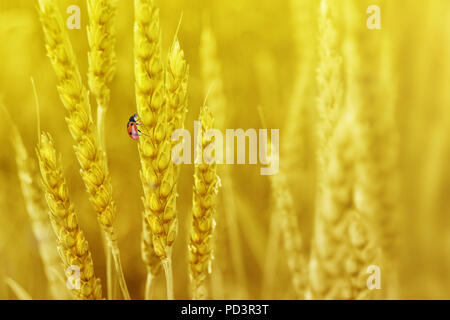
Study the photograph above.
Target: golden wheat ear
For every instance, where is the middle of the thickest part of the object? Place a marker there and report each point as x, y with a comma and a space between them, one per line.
102, 62
88, 150
158, 173
72, 245
335, 176
213, 90
37, 210
205, 190
101, 56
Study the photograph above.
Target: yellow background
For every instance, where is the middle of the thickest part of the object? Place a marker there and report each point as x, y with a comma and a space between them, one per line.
258, 52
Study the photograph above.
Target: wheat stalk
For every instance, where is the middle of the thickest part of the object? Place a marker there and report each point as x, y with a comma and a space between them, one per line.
102, 68
151, 260
73, 94
101, 55
206, 184
72, 245
158, 174
18, 290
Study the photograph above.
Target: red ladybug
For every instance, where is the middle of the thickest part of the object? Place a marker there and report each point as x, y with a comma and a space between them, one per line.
132, 128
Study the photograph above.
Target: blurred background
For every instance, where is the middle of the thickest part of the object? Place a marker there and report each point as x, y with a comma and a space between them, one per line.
263, 47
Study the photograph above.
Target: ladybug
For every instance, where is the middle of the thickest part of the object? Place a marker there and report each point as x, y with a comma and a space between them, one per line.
132, 128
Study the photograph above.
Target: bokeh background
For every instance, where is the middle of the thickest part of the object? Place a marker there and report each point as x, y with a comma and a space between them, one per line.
264, 47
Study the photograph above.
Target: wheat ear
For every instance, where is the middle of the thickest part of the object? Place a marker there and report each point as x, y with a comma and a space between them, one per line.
290, 232
38, 213
72, 245
158, 173
298, 164
213, 89
206, 185
375, 186
101, 55
329, 79
94, 169
37, 210
102, 68
177, 75
330, 253
329, 278
176, 98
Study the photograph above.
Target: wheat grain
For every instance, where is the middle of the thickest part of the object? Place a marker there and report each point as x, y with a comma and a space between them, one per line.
72, 245
73, 94
206, 184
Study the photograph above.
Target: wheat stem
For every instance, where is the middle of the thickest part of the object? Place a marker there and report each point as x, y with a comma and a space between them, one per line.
149, 286
109, 271
117, 262
151, 260
18, 290
167, 266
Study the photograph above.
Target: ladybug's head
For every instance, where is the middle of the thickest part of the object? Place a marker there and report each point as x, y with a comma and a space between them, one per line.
133, 118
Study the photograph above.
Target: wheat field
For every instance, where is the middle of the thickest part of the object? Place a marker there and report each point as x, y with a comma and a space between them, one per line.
359, 207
